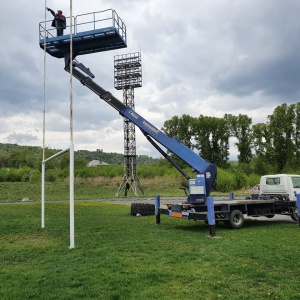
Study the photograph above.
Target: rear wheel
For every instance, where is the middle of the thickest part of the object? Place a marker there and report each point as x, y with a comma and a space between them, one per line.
270, 216
294, 214
236, 219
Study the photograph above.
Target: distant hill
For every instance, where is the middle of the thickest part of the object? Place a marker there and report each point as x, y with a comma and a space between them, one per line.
13, 155
113, 158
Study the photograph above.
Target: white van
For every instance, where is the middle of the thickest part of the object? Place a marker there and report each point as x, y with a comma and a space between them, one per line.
279, 187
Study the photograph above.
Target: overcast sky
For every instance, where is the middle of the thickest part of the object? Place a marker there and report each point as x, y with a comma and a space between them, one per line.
199, 57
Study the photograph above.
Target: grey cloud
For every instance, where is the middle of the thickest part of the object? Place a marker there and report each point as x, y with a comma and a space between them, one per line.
211, 56
277, 78
263, 56
21, 138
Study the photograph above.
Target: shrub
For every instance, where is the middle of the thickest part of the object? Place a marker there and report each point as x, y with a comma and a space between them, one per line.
147, 171
253, 179
36, 176
240, 179
225, 181
3, 174
26, 177
261, 167
83, 173
14, 175
50, 175
64, 173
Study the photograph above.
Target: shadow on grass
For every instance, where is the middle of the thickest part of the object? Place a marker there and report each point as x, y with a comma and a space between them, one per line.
268, 223
193, 226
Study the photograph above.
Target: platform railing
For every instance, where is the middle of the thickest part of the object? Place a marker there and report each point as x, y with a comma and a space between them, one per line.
119, 24
86, 22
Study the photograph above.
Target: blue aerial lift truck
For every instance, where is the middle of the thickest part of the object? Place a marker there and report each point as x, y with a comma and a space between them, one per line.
195, 207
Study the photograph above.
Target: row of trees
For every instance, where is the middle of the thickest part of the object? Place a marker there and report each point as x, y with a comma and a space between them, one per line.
275, 143
15, 156
263, 148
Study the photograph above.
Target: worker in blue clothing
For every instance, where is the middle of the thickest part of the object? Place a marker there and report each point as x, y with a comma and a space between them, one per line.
59, 21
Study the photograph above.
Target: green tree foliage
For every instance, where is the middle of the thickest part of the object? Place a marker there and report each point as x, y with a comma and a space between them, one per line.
281, 129
208, 135
225, 181
15, 156
112, 158
182, 128
261, 139
212, 139
296, 132
268, 147
4, 157
240, 128
277, 142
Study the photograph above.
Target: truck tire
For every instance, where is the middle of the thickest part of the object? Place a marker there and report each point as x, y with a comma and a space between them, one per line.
236, 219
294, 214
270, 216
143, 209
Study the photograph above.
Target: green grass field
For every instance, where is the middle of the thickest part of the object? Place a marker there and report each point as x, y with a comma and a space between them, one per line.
84, 189
87, 189
118, 256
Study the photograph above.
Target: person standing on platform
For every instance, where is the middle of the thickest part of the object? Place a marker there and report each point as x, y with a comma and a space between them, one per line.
59, 21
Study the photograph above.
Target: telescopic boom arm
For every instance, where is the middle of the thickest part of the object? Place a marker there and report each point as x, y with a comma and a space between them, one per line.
206, 172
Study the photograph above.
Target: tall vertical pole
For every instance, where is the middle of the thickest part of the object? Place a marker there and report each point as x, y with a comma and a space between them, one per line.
72, 222
44, 129
43, 195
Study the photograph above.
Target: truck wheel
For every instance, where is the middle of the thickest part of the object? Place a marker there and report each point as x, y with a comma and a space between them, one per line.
236, 219
143, 209
270, 216
294, 214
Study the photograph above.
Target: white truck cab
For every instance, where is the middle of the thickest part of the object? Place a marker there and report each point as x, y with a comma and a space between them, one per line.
279, 187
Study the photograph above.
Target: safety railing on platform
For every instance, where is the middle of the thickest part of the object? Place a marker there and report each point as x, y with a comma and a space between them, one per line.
85, 23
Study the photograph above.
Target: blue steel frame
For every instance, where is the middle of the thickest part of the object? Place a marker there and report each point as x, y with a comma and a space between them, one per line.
200, 166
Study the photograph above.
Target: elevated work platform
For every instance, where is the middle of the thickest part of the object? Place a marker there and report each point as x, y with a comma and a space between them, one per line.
91, 33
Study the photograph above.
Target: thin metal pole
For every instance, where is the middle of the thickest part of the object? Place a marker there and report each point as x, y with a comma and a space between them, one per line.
44, 128
43, 195
55, 155
72, 222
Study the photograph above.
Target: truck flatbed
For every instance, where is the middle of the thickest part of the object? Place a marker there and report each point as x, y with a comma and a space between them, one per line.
232, 211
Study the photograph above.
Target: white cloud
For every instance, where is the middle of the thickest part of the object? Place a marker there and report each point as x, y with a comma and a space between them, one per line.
199, 57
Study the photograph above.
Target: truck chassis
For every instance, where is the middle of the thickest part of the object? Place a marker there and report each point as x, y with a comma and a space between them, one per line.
232, 212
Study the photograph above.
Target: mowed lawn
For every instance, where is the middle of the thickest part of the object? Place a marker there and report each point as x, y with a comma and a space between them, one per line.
118, 256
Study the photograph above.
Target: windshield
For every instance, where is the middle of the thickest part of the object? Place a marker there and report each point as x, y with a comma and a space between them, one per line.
296, 182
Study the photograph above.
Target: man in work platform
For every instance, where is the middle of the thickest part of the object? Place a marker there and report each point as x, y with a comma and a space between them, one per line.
59, 21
